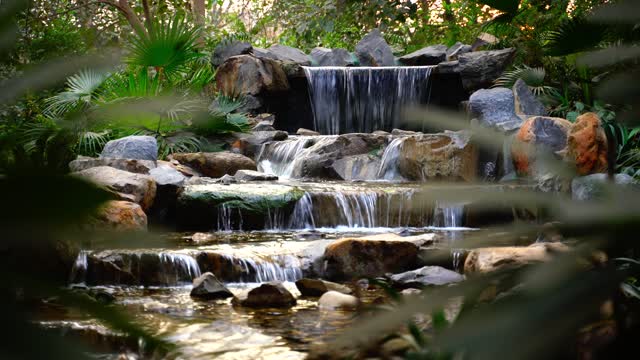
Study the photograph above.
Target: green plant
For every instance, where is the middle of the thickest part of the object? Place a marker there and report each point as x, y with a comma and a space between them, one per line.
533, 77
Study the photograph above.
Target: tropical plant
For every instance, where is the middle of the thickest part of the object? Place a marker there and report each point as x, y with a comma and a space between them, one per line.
533, 77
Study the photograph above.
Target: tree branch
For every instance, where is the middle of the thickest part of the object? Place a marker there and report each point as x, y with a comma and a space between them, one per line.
129, 14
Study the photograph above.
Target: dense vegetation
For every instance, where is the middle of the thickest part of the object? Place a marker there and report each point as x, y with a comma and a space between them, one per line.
78, 73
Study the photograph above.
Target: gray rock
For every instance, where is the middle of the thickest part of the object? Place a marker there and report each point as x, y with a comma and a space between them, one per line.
138, 188
130, 165
317, 287
401, 132
227, 179
333, 300
307, 132
208, 287
426, 276
289, 54
248, 75
456, 50
132, 147
268, 295
167, 175
526, 102
373, 50
357, 167
250, 175
593, 186
331, 57
226, 50
264, 126
494, 108
431, 55
448, 67
479, 69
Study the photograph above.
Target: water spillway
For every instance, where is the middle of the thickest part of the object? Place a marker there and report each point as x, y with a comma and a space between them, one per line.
364, 99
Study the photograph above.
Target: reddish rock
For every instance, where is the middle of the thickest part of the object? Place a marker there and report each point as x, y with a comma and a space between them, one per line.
538, 133
121, 216
215, 164
587, 145
484, 260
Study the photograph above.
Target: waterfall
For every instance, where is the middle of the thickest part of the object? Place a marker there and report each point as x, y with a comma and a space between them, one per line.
389, 165
185, 267
448, 215
275, 268
282, 158
79, 269
364, 99
302, 217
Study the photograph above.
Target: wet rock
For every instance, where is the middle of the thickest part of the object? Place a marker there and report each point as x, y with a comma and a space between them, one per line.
333, 300
381, 133
592, 187
227, 179
373, 50
449, 155
202, 238
426, 276
225, 50
130, 165
268, 295
247, 75
288, 54
132, 147
140, 188
331, 57
317, 287
456, 50
431, 55
264, 126
526, 103
183, 169
587, 145
166, 175
371, 256
119, 216
250, 204
479, 69
168, 183
495, 109
250, 144
208, 287
215, 164
250, 175
538, 134
400, 132
307, 132
357, 167
448, 67
484, 260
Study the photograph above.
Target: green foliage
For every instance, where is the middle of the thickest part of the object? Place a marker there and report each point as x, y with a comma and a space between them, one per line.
533, 77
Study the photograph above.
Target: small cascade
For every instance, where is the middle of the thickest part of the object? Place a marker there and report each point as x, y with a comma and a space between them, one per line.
448, 215
457, 256
79, 269
274, 268
182, 267
226, 216
278, 158
389, 165
364, 99
302, 217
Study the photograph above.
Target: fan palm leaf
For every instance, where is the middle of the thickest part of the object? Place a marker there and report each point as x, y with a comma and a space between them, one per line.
81, 89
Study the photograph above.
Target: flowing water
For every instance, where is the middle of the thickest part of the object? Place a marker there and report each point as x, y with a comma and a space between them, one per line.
364, 99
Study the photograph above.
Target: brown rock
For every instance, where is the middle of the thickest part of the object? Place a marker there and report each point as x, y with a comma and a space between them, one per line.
317, 287
268, 295
448, 155
369, 256
535, 134
333, 300
485, 260
587, 145
120, 216
136, 187
247, 75
215, 164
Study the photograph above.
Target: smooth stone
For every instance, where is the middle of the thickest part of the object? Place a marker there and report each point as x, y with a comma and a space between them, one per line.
307, 132
484, 260
215, 164
250, 175
208, 287
426, 276
120, 216
317, 287
132, 147
268, 295
495, 109
333, 300
137, 188
165, 175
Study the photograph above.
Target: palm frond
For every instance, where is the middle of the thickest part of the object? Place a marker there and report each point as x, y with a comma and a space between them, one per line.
91, 143
573, 36
80, 91
533, 77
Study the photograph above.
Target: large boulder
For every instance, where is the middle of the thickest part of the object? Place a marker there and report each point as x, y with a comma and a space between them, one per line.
119, 216
250, 144
130, 165
168, 183
431, 55
250, 76
288, 54
456, 50
249, 204
138, 188
132, 147
526, 103
426, 276
357, 167
484, 260
370, 256
215, 164
479, 69
333, 300
331, 57
494, 108
538, 134
166, 175
208, 287
317, 287
373, 50
268, 295
226, 50
449, 155
587, 145
593, 186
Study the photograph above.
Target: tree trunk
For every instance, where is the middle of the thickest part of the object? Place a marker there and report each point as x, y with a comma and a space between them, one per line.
126, 10
198, 8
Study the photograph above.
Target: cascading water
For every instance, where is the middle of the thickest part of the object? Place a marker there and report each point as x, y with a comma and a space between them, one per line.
389, 165
448, 215
185, 267
278, 158
79, 269
275, 268
364, 99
